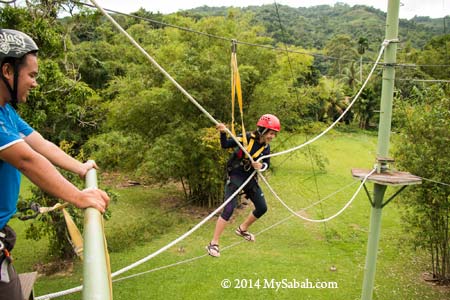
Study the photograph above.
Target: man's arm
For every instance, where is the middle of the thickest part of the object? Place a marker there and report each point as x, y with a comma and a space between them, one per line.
57, 156
42, 173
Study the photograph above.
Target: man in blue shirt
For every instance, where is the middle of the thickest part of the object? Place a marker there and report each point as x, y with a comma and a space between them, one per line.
23, 150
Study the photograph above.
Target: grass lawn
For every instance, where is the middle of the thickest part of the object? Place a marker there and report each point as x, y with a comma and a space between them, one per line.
287, 249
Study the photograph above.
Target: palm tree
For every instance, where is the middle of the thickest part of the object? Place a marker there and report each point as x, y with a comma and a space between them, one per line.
332, 98
363, 44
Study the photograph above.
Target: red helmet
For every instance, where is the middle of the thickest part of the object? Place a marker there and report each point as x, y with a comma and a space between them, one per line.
270, 122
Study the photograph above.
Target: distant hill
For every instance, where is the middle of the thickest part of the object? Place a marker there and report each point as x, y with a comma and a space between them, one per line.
312, 27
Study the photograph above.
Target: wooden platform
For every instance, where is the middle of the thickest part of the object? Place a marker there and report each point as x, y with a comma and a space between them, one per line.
27, 281
387, 178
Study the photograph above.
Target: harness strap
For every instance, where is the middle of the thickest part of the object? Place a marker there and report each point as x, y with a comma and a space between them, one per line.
250, 146
52, 208
4, 266
236, 89
5, 261
237, 160
76, 239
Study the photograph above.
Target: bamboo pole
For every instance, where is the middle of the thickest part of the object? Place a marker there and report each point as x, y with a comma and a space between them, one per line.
384, 132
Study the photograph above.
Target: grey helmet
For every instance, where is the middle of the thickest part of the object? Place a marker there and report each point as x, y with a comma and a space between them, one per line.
14, 44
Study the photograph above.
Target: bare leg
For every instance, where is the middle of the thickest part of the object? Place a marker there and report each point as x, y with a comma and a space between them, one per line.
249, 221
220, 227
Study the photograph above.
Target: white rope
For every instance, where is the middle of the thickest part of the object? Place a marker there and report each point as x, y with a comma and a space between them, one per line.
320, 220
145, 259
235, 244
383, 46
187, 233
60, 294
169, 77
329, 196
206, 113
79, 288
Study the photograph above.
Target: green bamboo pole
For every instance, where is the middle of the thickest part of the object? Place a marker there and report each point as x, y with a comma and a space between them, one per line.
384, 133
96, 277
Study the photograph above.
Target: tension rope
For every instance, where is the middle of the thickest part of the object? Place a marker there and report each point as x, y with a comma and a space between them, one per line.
233, 136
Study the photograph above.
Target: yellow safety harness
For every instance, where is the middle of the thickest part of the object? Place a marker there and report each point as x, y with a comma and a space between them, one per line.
236, 89
238, 160
250, 146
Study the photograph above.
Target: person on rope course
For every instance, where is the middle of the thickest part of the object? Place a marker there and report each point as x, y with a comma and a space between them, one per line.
24, 150
239, 168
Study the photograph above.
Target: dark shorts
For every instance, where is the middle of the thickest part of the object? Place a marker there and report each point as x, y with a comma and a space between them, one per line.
252, 191
9, 290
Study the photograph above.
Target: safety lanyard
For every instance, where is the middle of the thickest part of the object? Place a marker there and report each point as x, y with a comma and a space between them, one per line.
76, 239
236, 89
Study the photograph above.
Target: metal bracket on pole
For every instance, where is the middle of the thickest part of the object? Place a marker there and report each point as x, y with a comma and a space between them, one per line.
384, 164
393, 196
368, 195
387, 201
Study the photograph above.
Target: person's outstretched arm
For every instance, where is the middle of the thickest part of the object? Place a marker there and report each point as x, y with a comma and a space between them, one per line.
42, 173
57, 156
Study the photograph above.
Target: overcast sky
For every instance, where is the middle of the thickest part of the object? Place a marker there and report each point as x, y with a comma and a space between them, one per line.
408, 8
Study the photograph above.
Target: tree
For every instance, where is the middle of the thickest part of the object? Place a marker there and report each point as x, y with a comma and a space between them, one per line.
174, 138
63, 109
423, 150
363, 44
330, 93
285, 90
341, 48
44, 31
436, 53
193, 158
365, 107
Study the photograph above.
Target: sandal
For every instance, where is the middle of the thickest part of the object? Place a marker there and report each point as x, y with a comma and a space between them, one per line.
213, 250
245, 234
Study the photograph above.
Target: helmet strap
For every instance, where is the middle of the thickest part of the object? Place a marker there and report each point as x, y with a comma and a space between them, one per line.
12, 90
262, 130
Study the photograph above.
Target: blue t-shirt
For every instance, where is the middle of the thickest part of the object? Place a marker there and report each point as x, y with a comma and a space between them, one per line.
12, 130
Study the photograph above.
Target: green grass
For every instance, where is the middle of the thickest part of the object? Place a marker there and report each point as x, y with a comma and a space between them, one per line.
293, 250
